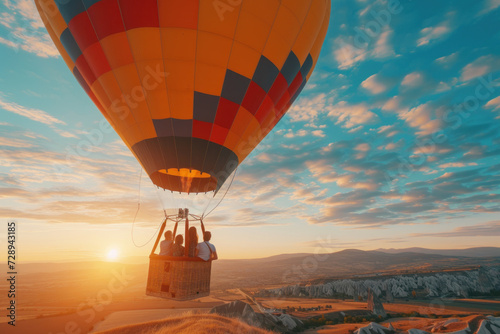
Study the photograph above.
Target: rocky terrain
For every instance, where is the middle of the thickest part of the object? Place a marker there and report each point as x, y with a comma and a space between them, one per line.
476, 325
455, 284
282, 323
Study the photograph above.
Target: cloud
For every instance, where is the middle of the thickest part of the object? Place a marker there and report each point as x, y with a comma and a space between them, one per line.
383, 47
490, 229
448, 60
356, 129
451, 194
308, 109
489, 5
393, 104
388, 130
7, 42
364, 147
7, 19
13, 142
351, 116
442, 87
331, 244
413, 79
348, 51
353, 208
421, 118
346, 54
36, 115
457, 165
318, 133
324, 172
392, 146
299, 133
373, 85
430, 34
479, 67
26, 30
494, 104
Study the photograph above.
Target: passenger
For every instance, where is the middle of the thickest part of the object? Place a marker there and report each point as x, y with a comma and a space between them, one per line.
193, 242
178, 249
205, 249
166, 245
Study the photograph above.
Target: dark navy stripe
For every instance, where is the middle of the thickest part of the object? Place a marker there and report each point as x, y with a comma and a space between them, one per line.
89, 3
205, 107
235, 86
70, 44
290, 68
80, 79
306, 67
265, 74
70, 8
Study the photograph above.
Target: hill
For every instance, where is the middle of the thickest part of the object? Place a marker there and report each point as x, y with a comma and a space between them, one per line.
350, 262
469, 252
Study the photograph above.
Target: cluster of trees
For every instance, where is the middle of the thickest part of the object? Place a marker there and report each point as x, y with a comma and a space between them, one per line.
348, 319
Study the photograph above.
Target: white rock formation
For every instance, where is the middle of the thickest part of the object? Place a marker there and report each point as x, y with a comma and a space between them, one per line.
440, 284
373, 328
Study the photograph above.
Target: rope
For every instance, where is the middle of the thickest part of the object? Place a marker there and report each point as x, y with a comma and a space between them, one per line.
135, 217
232, 179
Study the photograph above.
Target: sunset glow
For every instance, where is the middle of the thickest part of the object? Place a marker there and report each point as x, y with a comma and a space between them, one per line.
113, 255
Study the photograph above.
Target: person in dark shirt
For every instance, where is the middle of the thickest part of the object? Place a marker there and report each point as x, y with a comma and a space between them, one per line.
178, 249
193, 242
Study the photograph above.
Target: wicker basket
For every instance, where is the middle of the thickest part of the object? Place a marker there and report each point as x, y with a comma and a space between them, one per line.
179, 278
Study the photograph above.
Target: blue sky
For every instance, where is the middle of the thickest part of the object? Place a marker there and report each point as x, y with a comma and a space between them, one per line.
394, 142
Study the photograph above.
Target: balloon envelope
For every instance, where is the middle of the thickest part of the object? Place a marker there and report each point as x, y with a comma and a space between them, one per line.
191, 86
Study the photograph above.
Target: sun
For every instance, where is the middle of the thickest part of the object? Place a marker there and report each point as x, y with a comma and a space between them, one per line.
113, 255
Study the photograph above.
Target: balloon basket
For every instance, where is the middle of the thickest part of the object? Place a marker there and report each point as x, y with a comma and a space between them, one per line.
178, 278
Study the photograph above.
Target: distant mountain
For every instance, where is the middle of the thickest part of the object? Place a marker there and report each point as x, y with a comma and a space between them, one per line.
469, 252
292, 269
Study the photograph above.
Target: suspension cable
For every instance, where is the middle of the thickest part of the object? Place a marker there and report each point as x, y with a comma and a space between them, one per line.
135, 217
225, 193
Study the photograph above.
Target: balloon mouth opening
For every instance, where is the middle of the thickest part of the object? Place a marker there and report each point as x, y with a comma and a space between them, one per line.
185, 173
184, 180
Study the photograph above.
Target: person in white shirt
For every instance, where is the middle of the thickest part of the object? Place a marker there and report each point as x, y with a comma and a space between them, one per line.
206, 250
166, 245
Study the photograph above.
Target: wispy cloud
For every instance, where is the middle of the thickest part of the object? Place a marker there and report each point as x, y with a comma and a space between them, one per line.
348, 53
350, 116
431, 34
374, 85
489, 6
494, 104
36, 115
14, 142
421, 118
413, 79
26, 31
383, 46
489, 229
308, 109
448, 60
479, 67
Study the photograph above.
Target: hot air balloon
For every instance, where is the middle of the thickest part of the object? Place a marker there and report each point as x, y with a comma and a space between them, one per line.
190, 86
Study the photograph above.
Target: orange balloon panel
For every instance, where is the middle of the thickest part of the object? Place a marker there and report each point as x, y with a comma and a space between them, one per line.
191, 86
